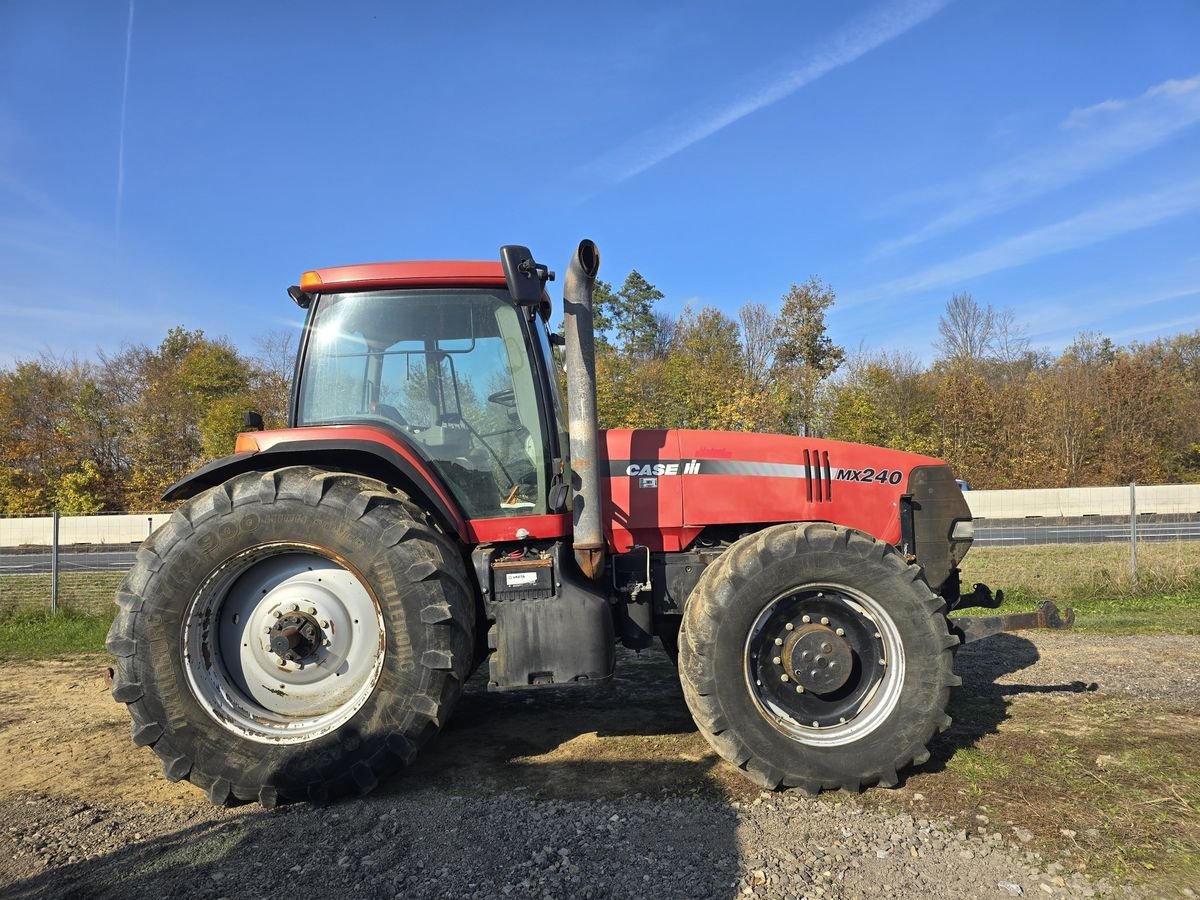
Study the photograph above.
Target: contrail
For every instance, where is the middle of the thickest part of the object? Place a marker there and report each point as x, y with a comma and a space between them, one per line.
124, 105
651, 147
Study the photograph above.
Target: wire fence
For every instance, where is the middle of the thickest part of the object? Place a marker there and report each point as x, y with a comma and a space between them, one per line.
55, 563
1131, 516
1125, 536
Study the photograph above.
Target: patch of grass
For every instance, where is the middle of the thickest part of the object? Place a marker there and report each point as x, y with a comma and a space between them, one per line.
86, 592
37, 635
1111, 780
1095, 580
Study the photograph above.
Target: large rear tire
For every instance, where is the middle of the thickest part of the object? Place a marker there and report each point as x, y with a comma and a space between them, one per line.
814, 656
295, 634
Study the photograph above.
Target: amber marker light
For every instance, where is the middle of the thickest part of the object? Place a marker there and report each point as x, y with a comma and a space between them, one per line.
310, 280
245, 443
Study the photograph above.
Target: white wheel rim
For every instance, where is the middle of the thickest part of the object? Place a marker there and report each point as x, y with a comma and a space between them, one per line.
245, 686
876, 705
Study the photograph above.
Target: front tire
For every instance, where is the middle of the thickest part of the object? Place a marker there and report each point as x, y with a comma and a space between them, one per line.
814, 656
295, 634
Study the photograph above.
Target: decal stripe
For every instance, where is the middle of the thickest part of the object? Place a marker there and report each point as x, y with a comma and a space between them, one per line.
620, 468
822, 472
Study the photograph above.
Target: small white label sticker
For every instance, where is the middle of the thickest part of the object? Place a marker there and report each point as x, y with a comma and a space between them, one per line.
517, 579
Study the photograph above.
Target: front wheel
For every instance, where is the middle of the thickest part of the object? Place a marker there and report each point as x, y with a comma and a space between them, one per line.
814, 656
292, 634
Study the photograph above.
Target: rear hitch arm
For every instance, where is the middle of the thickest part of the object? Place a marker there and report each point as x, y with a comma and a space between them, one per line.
976, 628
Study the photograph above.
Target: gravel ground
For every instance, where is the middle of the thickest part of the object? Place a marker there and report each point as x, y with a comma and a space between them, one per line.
473, 819
430, 844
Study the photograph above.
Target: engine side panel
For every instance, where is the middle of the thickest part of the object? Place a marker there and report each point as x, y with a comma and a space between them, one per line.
665, 487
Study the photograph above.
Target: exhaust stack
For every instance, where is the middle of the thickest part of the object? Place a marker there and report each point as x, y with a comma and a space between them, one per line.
581, 408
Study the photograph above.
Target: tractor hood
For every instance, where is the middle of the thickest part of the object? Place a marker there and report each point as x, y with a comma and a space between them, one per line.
664, 487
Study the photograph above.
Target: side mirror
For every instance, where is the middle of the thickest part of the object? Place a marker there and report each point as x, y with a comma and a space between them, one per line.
252, 421
526, 279
558, 497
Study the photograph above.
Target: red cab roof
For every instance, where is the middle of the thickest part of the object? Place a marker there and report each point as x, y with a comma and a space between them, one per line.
436, 273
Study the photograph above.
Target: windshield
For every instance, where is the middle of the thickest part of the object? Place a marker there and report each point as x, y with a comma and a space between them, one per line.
449, 370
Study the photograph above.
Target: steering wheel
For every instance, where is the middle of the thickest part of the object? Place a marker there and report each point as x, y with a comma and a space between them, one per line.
504, 397
389, 411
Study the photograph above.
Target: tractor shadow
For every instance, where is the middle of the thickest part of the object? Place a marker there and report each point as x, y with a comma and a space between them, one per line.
633, 735
636, 736
982, 703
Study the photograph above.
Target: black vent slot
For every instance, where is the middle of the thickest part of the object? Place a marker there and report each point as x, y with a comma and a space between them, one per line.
819, 473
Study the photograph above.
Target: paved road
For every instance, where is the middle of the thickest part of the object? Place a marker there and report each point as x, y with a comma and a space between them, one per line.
30, 563
1019, 535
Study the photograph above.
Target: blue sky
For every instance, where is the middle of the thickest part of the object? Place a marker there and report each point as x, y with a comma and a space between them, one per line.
1044, 157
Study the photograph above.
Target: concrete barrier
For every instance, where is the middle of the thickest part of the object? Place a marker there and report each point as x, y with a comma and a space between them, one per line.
1163, 499
117, 530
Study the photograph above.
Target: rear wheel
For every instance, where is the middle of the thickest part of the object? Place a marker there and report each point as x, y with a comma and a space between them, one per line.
293, 634
812, 655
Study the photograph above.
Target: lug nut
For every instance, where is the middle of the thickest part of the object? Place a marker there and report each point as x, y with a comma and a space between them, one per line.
883, 662
799, 689
778, 642
783, 677
789, 626
842, 720
776, 660
806, 619
877, 634
324, 623
312, 610
824, 620
295, 607
816, 724
841, 632
277, 614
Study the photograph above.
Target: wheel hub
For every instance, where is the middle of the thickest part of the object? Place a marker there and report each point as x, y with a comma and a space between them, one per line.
295, 637
817, 658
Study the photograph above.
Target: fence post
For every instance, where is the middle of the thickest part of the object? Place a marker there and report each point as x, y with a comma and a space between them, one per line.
1133, 532
54, 563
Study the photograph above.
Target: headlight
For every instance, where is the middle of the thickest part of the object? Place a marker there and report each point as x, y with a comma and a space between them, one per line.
963, 530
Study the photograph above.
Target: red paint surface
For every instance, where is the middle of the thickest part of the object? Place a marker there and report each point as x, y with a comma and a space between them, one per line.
439, 273
669, 516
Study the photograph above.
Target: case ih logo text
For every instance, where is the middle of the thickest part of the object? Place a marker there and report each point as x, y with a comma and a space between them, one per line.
686, 467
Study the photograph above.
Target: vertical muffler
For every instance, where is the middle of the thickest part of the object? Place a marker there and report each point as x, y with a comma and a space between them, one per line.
581, 408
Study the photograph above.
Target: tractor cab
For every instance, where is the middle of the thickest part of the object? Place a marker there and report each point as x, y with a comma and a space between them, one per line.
460, 374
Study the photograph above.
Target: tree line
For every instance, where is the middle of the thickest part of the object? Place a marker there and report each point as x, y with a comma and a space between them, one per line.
111, 434
1002, 413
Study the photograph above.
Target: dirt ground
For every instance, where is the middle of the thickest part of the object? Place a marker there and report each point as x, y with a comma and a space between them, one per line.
71, 770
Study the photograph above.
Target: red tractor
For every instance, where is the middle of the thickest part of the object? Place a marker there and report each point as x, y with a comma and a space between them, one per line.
305, 621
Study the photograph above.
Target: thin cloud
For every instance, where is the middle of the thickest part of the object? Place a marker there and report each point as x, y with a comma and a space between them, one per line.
124, 108
1090, 227
1157, 329
678, 133
1091, 140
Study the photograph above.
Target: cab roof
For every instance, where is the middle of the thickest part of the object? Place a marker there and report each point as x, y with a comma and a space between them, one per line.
433, 273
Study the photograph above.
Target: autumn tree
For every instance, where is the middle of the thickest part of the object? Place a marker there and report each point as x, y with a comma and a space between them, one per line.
805, 355
967, 329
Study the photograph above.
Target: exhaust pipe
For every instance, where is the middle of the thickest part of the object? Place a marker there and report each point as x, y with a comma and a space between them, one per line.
581, 408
